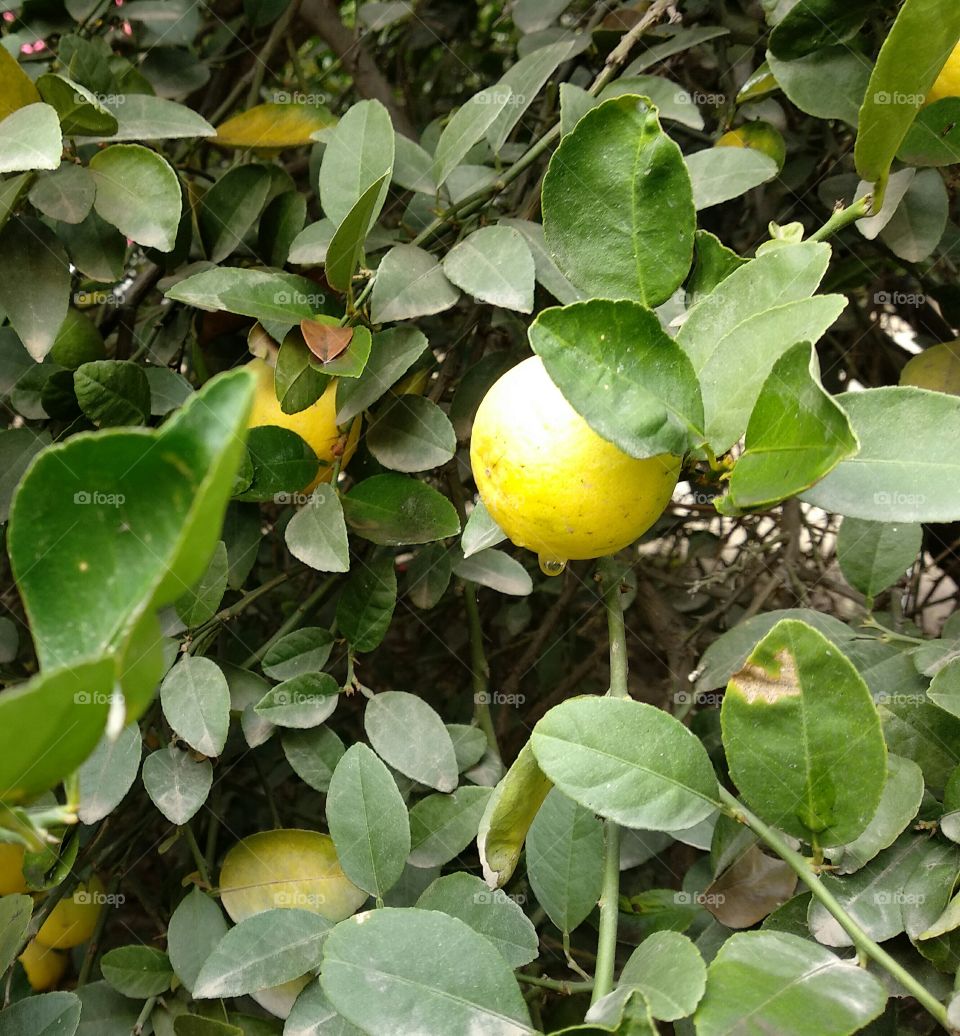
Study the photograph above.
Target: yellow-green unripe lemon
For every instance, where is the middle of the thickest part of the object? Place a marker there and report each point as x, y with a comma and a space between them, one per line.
550, 482
947, 84
757, 136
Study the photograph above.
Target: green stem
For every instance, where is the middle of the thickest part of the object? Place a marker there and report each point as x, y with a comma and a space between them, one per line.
198, 857
292, 622
844, 217
557, 985
144, 1016
479, 668
610, 575
225, 614
866, 947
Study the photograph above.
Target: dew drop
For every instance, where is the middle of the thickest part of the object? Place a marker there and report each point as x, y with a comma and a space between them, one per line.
550, 566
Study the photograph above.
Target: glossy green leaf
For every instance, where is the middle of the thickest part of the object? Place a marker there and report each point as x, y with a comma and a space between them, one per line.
300, 702
494, 265
177, 785
627, 761
545, 269
413, 166
525, 79
847, 71
282, 464
304, 650
195, 928
395, 510
15, 911
944, 690
317, 535
30, 139
139, 193
411, 433
402, 971
719, 174
497, 570
95, 247
815, 24
442, 826
201, 601
480, 531
392, 353
368, 821
671, 100
795, 436
313, 1014
113, 392
46, 1014
902, 472
916, 227
367, 602
138, 972
262, 294
34, 283
313, 754
668, 969
917, 47
874, 555
298, 383
345, 250
468, 125
492, 913
621, 227
80, 112
410, 283
788, 985
760, 310
623, 374
196, 703
108, 773
934, 136
917, 729
145, 117
264, 950
230, 208
429, 575
565, 860
359, 153
407, 733
796, 708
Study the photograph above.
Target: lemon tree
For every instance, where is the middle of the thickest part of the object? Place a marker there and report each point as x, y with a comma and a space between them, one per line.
480, 513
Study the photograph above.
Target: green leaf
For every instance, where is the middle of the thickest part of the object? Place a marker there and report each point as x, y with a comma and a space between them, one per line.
298, 383
758, 311
902, 472
402, 971
392, 353
317, 535
799, 706
96, 248
303, 651
34, 283
874, 555
787, 984
622, 227
934, 136
262, 294
196, 703
413, 166
916, 227
672, 101
508, 815
144, 117
345, 250
916, 49
313, 1014
442, 826
713, 263
525, 79
795, 436
497, 570
546, 270
300, 702
139, 193
429, 575
367, 603
846, 70
719, 174
15, 911
313, 754
47, 1014
944, 690
411, 433
469, 744
627, 761
80, 112
264, 950
491, 913
230, 208
480, 531
368, 821
281, 222
494, 265
395, 510
30, 139
565, 860
113, 392
282, 463
815, 24
202, 600
177, 785
668, 969
623, 374
468, 125
108, 774
410, 283
359, 153
137, 971
195, 928
411, 737
18, 447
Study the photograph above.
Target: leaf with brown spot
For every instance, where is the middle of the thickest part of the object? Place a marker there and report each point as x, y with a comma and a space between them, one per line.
325, 341
752, 887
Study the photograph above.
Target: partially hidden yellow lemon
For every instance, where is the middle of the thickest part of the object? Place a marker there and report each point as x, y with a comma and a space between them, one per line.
947, 84
44, 967
936, 368
74, 919
11, 869
317, 425
284, 868
550, 482
757, 136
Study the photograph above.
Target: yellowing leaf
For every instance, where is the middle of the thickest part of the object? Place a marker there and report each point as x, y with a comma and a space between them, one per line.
274, 126
16, 87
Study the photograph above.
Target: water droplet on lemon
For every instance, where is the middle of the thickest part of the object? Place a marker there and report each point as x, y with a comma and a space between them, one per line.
550, 566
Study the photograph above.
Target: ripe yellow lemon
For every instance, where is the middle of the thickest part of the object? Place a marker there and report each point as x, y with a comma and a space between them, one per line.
11, 869
317, 425
74, 919
550, 482
44, 967
287, 868
948, 82
757, 136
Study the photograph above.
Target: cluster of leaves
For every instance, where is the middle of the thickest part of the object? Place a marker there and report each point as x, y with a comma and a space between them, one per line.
315, 658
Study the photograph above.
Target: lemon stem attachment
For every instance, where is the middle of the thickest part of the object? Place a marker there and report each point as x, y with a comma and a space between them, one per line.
610, 893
